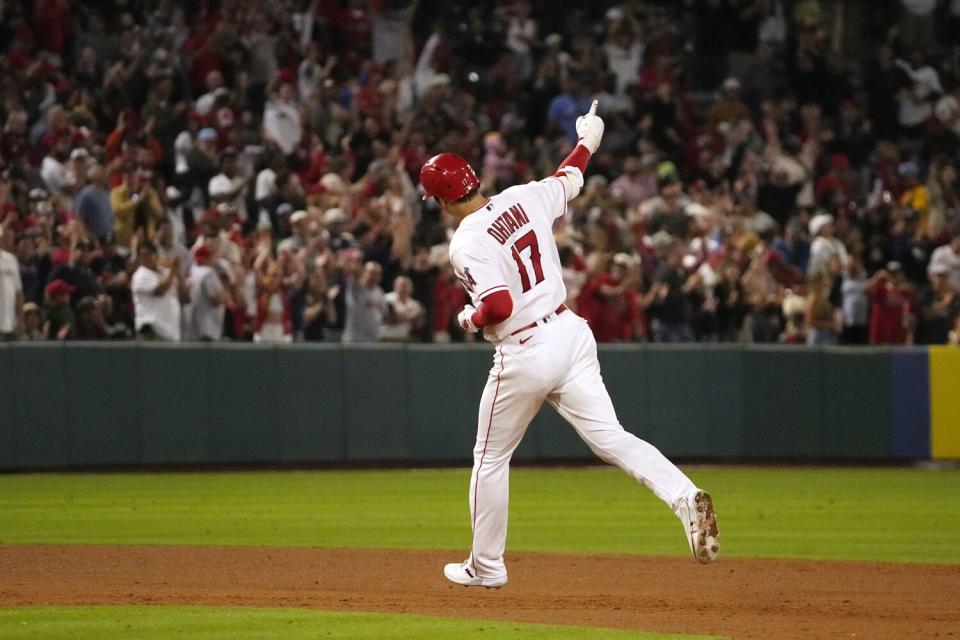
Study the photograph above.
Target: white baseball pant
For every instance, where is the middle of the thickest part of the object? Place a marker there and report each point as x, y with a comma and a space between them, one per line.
555, 361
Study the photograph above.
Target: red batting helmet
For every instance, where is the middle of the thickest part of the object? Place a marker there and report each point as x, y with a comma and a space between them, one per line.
448, 177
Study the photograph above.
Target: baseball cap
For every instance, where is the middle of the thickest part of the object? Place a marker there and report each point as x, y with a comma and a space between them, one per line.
207, 134
37, 194
298, 216
439, 80
623, 259
939, 268
202, 252
908, 168
79, 152
58, 287
819, 221
31, 307
332, 216
614, 13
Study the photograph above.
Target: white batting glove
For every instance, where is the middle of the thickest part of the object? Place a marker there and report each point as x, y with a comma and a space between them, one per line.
590, 129
465, 319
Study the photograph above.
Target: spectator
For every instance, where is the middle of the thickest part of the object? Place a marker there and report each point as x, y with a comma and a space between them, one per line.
274, 321
856, 306
156, 296
60, 323
78, 165
93, 203
336, 316
946, 259
564, 108
180, 217
609, 302
11, 288
892, 306
339, 238
281, 119
764, 297
318, 306
921, 89
136, 205
944, 197
53, 170
365, 303
449, 298
229, 186
202, 160
624, 51
668, 300
299, 236
667, 211
794, 308
638, 182
729, 109
819, 314
794, 247
207, 298
730, 302
169, 249
34, 267
91, 324
915, 195
825, 245
403, 314
32, 328
110, 269
939, 308
78, 272
391, 36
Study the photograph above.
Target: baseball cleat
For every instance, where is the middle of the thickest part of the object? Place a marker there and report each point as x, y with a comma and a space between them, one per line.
462, 573
700, 524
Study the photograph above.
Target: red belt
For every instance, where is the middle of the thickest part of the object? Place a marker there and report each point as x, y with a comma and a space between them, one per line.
558, 311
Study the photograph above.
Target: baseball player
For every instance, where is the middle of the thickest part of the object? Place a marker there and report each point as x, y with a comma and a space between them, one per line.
505, 255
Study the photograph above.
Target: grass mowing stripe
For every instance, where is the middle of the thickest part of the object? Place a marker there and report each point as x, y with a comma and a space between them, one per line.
240, 623
859, 514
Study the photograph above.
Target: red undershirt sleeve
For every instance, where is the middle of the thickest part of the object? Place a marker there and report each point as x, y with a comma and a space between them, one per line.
578, 158
494, 309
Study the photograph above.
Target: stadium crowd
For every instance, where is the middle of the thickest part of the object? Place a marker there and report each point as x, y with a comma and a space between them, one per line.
772, 170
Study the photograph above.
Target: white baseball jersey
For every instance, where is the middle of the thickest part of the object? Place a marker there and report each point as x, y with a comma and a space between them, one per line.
508, 245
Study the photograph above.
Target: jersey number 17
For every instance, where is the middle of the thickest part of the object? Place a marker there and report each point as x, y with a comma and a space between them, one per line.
528, 241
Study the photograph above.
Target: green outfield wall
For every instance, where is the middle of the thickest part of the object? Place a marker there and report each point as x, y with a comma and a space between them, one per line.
96, 404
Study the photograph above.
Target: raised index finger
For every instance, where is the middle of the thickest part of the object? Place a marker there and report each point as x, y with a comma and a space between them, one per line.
593, 108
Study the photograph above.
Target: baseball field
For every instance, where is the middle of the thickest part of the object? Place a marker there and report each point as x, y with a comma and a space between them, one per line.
807, 553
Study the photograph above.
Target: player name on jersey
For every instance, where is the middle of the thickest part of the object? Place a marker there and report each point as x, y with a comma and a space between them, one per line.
507, 222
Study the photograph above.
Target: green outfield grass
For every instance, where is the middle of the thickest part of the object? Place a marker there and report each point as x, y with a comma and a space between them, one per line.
239, 623
864, 514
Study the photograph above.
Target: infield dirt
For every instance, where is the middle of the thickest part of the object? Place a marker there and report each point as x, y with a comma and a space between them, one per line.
738, 598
